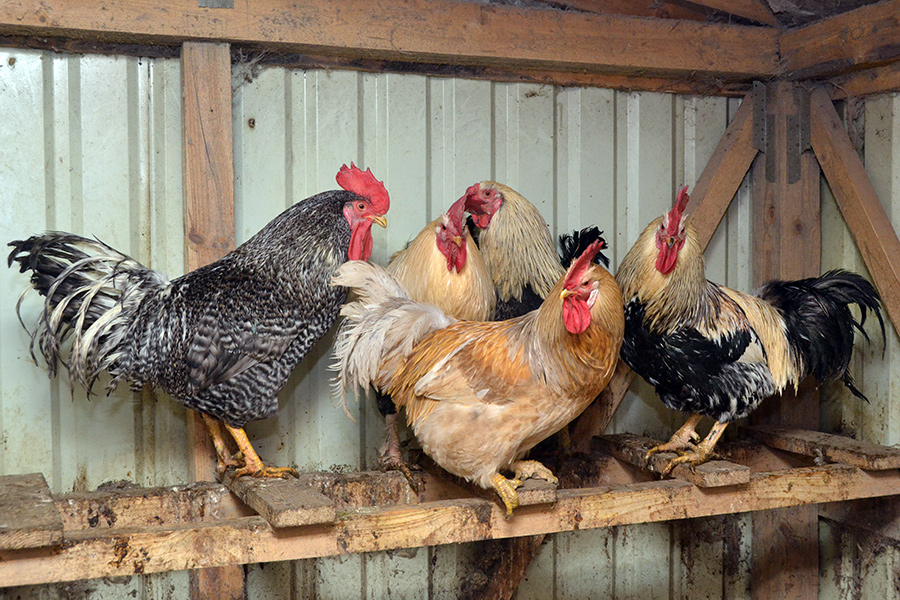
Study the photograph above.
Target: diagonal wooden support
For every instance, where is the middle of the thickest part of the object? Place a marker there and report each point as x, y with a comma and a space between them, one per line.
711, 196
856, 198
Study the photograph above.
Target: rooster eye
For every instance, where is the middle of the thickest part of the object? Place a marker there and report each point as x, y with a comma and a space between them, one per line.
361, 206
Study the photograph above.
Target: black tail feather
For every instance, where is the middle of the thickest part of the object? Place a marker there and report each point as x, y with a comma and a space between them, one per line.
819, 322
572, 245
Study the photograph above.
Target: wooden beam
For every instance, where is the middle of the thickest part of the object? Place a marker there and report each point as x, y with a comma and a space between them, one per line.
633, 450
786, 182
857, 39
430, 31
28, 518
208, 167
753, 10
866, 82
856, 198
834, 448
114, 552
659, 10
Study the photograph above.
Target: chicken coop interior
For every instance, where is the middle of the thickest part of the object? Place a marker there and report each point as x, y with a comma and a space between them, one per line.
175, 130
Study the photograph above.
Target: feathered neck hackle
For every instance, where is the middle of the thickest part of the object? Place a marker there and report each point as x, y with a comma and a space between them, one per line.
675, 298
518, 224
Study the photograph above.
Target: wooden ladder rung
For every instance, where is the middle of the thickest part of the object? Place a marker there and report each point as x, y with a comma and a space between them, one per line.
830, 447
28, 515
632, 449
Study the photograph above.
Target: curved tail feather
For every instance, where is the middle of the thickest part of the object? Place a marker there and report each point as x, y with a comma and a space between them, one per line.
819, 322
91, 293
572, 245
381, 326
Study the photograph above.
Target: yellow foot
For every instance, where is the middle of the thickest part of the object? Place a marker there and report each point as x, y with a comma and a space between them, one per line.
679, 446
532, 468
264, 471
696, 457
506, 489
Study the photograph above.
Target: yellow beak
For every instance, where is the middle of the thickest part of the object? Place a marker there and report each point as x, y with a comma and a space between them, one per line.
457, 239
378, 219
565, 294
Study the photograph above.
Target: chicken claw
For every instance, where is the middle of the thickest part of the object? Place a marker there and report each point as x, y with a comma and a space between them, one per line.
532, 468
391, 458
680, 440
506, 488
701, 453
253, 465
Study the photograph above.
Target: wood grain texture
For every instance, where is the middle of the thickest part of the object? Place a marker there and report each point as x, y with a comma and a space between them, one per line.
209, 233
787, 245
28, 517
754, 10
859, 204
866, 82
283, 502
435, 31
113, 552
633, 449
824, 446
853, 40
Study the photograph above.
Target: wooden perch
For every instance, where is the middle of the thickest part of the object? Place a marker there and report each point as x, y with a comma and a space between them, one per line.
282, 502
28, 518
633, 449
824, 446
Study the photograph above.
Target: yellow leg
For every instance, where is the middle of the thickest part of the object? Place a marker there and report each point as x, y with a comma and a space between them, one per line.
253, 465
506, 489
702, 452
225, 459
532, 468
680, 440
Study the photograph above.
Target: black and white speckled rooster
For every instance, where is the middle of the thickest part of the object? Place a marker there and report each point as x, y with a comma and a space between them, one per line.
222, 339
713, 351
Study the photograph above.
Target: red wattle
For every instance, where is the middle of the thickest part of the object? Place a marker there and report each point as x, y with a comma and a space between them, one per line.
361, 241
576, 315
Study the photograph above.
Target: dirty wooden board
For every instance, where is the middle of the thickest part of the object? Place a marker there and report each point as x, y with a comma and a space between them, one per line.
282, 502
533, 491
633, 449
834, 448
112, 552
28, 517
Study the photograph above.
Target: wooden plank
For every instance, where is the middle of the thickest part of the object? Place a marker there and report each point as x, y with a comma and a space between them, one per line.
849, 41
633, 449
209, 232
834, 448
114, 552
786, 218
28, 517
282, 502
754, 10
532, 492
859, 204
142, 507
431, 31
660, 10
866, 82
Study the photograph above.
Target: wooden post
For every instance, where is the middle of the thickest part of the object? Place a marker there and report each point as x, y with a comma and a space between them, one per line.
209, 234
786, 230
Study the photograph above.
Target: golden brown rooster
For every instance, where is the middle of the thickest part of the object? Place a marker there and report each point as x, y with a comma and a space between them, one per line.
440, 266
479, 395
713, 351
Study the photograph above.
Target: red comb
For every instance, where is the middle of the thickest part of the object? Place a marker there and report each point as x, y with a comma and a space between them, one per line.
457, 210
353, 179
674, 218
576, 271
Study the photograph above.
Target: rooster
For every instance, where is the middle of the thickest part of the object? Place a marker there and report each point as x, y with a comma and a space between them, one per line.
713, 351
440, 266
517, 247
222, 339
479, 395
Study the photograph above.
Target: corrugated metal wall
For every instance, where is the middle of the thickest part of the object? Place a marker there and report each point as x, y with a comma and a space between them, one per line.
92, 145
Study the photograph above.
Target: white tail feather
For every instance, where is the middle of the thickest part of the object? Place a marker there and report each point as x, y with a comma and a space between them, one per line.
381, 327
